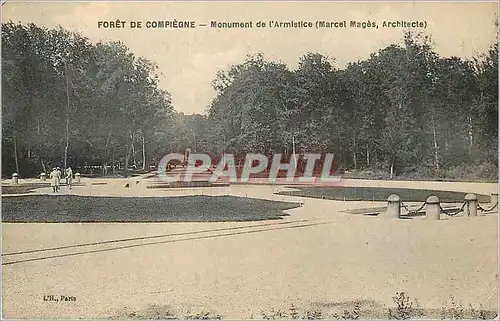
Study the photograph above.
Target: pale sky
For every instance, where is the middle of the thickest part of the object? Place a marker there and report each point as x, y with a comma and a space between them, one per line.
189, 58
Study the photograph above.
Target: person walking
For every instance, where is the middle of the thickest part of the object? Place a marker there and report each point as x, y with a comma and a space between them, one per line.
53, 180
58, 181
69, 177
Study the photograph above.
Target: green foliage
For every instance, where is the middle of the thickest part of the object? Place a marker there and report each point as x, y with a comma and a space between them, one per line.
484, 171
274, 315
313, 315
477, 314
203, 315
60, 89
352, 314
351, 310
403, 309
153, 312
294, 312
403, 111
404, 108
454, 311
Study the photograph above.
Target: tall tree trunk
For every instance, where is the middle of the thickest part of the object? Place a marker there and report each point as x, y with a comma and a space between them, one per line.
436, 153
354, 152
143, 152
129, 151
67, 117
105, 161
43, 165
15, 154
133, 154
339, 142
470, 133
113, 160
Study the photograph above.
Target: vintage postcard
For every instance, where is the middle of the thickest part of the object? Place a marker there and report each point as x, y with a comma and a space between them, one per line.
249, 160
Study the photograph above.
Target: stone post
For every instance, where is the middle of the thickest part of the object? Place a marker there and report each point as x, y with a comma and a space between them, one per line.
77, 178
470, 205
393, 206
43, 177
15, 179
494, 199
432, 210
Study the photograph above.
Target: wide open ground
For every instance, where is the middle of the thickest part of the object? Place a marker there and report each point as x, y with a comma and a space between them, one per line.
318, 256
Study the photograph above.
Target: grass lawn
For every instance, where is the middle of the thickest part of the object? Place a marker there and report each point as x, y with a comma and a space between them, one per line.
378, 194
69, 208
22, 188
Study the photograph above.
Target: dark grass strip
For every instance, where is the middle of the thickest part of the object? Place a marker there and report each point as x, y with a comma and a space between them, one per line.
378, 194
74, 209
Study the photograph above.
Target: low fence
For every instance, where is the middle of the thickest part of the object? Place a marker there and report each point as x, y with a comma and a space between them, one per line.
432, 208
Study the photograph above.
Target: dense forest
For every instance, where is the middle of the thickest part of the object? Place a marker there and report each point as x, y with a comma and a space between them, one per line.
404, 111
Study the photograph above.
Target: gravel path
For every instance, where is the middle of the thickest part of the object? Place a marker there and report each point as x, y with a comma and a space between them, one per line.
316, 257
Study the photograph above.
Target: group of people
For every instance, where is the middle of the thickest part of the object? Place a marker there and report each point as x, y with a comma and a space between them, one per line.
55, 178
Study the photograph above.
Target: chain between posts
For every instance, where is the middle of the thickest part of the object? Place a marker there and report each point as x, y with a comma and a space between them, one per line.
487, 210
452, 213
449, 213
410, 213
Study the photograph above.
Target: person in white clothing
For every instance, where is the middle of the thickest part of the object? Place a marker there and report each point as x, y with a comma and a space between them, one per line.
58, 182
54, 180
69, 177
